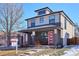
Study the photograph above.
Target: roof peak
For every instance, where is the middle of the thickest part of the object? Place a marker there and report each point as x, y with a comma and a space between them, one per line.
43, 9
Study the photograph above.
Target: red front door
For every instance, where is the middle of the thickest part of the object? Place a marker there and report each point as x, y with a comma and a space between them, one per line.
50, 37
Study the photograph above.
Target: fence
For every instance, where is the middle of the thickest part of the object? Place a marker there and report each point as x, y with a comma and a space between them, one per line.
73, 41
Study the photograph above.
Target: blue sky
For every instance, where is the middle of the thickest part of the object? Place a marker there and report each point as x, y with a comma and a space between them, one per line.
71, 9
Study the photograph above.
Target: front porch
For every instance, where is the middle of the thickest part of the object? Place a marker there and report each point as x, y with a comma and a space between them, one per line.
43, 36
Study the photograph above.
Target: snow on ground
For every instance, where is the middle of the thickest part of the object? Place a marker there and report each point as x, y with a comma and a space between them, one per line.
72, 51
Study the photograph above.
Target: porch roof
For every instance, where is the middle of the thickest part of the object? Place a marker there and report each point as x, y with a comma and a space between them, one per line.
42, 28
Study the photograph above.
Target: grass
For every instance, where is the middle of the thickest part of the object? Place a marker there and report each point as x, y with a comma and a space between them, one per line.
12, 52
48, 51
7, 53
59, 52
51, 52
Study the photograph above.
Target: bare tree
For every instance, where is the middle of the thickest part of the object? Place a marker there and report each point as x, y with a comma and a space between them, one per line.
10, 15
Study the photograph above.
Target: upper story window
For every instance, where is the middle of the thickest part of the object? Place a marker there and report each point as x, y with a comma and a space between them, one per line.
42, 12
29, 23
32, 22
52, 19
65, 23
41, 19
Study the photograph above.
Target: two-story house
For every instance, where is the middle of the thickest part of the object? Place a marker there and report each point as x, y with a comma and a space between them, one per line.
49, 28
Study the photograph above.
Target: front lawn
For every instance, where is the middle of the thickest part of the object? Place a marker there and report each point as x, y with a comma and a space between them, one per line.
7, 53
34, 52
50, 52
13, 52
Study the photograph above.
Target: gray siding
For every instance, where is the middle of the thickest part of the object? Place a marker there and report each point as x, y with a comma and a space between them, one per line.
46, 20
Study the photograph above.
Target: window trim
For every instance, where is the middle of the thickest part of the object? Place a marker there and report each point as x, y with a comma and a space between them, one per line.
41, 12
41, 20
65, 23
32, 22
51, 18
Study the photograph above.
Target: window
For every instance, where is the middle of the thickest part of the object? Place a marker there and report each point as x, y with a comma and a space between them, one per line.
52, 19
43, 38
42, 12
44, 34
29, 23
65, 23
41, 19
33, 23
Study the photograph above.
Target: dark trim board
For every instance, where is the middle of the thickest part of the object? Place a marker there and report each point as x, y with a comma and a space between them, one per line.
44, 15
43, 8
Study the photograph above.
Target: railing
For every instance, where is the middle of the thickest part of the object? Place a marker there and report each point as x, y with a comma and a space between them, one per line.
56, 24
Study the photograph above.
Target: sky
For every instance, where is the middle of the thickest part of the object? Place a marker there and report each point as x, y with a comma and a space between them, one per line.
71, 9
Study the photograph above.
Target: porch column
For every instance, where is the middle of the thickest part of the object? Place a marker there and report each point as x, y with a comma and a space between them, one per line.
29, 39
56, 37
24, 39
20, 39
33, 37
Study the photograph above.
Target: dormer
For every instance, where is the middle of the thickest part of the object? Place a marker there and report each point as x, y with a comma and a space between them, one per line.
43, 11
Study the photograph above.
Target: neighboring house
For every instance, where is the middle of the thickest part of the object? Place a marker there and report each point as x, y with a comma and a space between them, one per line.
14, 37
2, 40
49, 28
